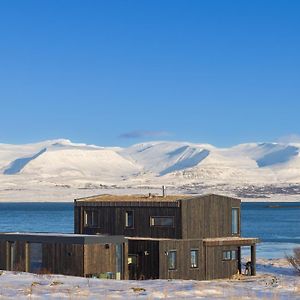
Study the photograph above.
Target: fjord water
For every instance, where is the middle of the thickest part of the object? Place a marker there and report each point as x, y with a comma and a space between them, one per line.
276, 224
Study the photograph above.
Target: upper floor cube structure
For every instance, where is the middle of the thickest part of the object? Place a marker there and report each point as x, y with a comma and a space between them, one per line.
174, 216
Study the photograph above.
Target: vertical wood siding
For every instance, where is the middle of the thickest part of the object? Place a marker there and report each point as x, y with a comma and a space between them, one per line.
207, 216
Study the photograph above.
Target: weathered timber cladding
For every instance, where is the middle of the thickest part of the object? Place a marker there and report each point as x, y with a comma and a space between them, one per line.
147, 255
183, 262
99, 259
64, 259
207, 216
111, 220
216, 267
19, 263
2, 255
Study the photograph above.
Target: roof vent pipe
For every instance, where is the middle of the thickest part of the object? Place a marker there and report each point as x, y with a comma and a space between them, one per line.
164, 191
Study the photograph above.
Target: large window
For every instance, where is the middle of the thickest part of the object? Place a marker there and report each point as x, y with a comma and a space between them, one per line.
235, 220
162, 221
129, 219
90, 218
172, 260
35, 257
194, 258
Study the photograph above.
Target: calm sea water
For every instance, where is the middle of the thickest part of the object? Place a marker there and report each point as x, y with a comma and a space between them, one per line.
276, 224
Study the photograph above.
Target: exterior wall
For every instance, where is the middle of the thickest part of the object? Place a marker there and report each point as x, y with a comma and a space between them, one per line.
183, 262
210, 261
216, 267
111, 220
64, 259
101, 259
207, 216
147, 258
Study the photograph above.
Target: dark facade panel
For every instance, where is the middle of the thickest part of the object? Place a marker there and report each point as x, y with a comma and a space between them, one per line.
216, 267
106, 261
143, 258
183, 269
2, 255
112, 221
207, 216
63, 259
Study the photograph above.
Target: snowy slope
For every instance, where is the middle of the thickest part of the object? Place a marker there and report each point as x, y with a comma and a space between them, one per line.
63, 158
172, 163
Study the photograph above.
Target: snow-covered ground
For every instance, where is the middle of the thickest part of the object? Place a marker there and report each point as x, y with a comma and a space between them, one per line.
59, 170
275, 280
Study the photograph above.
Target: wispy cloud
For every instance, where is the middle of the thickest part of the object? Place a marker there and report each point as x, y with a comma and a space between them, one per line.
143, 134
290, 138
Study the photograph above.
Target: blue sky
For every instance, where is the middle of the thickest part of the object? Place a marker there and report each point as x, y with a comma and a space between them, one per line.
123, 72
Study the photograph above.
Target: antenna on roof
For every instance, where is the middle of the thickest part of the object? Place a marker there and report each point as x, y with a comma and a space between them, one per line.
164, 191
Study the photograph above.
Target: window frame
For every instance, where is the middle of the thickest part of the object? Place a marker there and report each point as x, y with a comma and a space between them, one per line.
197, 258
238, 231
126, 219
231, 257
175, 260
94, 221
162, 217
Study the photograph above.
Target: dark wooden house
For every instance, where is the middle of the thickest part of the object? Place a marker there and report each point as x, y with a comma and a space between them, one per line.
68, 254
180, 237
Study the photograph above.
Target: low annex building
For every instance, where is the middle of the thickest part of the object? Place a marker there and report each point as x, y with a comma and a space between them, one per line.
68, 254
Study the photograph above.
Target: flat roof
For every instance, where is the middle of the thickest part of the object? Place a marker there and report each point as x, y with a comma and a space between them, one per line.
65, 238
227, 241
133, 197
141, 200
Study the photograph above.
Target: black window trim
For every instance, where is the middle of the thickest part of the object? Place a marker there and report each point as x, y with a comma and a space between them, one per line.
95, 220
133, 219
167, 226
238, 221
174, 251
229, 259
194, 249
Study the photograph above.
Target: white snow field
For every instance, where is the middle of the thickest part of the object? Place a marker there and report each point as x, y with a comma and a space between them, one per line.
59, 170
275, 280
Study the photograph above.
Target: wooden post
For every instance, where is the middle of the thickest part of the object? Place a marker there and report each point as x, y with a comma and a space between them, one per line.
239, 257
253, 260
27, 259
8, 260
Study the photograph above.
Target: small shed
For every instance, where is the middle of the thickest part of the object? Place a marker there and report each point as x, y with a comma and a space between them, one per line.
68, 254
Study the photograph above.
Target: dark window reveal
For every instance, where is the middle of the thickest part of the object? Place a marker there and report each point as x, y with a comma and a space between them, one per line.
194, 258
172, 260
129, 219
162, 221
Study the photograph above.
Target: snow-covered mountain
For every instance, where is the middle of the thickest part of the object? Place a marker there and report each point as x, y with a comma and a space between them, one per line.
61, 162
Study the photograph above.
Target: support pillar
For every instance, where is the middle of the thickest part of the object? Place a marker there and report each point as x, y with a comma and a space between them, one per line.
239, 258
253, 260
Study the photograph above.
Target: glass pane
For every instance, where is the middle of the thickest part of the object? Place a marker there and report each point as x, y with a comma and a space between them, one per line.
226, 255
90, 218
233, 255
194, 258
235, 220
162, 221
129, 219
36, 257
172, 260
